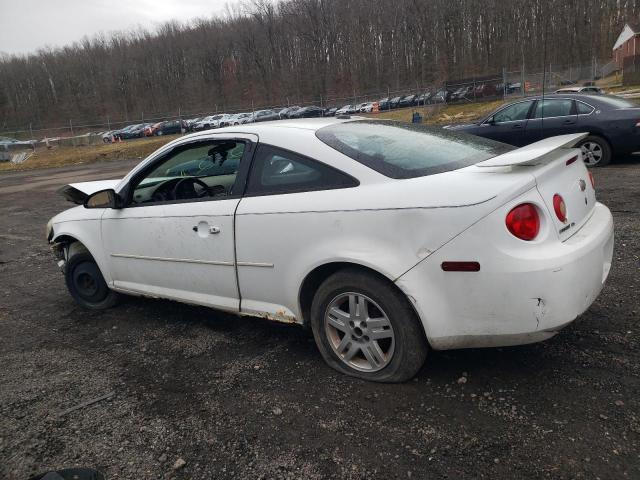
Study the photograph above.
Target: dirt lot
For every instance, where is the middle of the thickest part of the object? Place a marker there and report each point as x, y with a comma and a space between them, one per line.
244, 398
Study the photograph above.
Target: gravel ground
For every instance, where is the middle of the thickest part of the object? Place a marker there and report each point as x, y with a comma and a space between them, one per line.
231, 397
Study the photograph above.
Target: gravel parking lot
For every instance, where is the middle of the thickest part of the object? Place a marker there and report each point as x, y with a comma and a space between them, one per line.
238, 397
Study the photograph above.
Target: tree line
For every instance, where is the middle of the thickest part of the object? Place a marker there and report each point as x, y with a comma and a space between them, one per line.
268, 53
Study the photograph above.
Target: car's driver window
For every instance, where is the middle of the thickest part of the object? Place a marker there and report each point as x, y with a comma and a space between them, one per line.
192, 172
513, 113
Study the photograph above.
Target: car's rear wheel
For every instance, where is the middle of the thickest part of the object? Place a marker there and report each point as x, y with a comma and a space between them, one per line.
86, 283
365, 327
596, 151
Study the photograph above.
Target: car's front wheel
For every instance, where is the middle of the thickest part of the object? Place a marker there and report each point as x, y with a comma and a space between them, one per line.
86, 283
596, 151
365, 327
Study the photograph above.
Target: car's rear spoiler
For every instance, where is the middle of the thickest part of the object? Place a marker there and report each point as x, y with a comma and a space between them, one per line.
534, 154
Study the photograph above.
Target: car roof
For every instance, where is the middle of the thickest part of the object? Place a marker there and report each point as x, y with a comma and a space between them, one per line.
309, 124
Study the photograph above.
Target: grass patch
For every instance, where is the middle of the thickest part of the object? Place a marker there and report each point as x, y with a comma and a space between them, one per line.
442, 114
67, 155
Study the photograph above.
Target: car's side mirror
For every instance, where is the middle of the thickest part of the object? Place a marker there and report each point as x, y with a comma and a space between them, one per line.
103, 199
491, 121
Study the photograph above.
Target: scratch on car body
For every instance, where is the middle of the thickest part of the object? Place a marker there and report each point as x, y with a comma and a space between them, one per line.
539, 310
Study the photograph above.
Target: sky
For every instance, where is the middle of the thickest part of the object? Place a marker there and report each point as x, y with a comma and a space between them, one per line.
27, 25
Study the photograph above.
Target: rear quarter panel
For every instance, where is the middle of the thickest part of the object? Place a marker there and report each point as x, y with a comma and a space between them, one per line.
384, 224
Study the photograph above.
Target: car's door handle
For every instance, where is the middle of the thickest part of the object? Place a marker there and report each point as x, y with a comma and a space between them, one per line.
517, 125
213, 230
569, 122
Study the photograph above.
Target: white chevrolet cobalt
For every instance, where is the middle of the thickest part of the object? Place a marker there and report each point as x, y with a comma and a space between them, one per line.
387, 239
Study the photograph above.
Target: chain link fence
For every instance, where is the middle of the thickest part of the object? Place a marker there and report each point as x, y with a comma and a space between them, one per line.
499, 85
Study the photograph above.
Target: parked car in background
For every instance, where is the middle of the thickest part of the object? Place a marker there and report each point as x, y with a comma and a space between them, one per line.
613, 123
462, 93
133, 131
308, 112
212, 121
383, 104
117, 134
454, 94
223, 119
394, 102
109, 136
441, 96
12, 141
367, 107
346, 110
408, 101
151, 130
288, 111
512, 88
588, 89
330, 112
242, 118
191, 122
313, 226
171, 127
265, 116
423, 99
485, 90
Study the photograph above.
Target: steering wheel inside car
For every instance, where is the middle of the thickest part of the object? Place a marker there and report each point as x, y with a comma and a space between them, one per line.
185, 189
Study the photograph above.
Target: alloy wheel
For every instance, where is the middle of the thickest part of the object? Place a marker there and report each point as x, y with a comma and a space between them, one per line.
591, 153
359, 332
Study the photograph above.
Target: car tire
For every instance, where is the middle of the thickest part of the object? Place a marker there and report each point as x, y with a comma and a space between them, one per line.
86, 283
106, 140
400, 347
596, 151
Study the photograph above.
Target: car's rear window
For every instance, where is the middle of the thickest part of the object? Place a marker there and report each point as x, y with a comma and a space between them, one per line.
402, 150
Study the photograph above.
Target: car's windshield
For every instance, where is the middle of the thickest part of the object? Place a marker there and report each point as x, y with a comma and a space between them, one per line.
401, 150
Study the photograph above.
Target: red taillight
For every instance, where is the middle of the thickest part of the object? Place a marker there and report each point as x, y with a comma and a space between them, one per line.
523, 221
593, 180
560, 208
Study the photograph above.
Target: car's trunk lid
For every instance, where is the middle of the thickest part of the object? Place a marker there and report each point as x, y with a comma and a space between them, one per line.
567, 176
558, 170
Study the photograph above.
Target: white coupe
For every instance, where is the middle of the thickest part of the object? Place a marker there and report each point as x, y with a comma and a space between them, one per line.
387, 239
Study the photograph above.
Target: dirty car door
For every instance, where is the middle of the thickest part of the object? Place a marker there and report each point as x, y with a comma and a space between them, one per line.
175, 239
279, 180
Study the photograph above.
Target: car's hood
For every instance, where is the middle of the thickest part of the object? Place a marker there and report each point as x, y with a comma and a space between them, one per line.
78, 192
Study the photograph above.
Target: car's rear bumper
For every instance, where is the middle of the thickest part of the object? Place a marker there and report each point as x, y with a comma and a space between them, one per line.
513, 299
